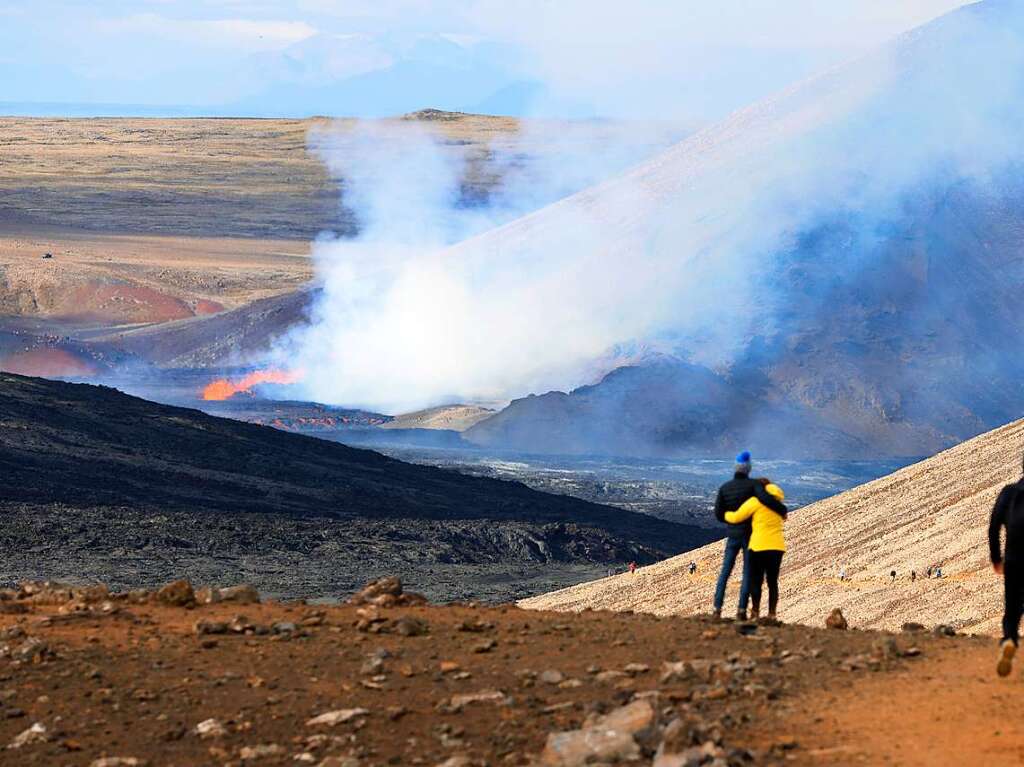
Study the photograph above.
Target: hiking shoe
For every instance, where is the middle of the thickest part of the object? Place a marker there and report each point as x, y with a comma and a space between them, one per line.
1006, 652
741, 615
717, 614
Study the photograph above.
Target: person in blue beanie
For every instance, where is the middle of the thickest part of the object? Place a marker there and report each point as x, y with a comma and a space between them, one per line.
731, 496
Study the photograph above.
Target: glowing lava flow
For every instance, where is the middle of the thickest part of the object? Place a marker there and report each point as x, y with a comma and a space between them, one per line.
224, 388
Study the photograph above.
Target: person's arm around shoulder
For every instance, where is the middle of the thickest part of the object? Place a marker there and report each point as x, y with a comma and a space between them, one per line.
743, 513
772, 498
996, 523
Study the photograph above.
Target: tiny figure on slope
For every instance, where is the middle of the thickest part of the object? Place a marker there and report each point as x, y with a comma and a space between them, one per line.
692, 568
913, 575
842, 574
632, 567
892, 576
767, 546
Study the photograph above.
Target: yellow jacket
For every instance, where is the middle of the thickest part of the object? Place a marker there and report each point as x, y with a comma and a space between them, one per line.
767, 525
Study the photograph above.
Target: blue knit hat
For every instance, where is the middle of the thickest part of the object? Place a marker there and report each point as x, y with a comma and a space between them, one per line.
743, 463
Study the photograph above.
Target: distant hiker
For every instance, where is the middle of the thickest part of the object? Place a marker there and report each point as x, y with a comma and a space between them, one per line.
632, 567
731, 496
693, 568
938, 572
1008, 512
842, 574
767, 545
892, 575
929, 572
913, 575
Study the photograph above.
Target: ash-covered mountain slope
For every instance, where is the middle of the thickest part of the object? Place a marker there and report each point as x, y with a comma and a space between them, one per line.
847, 262
100, 484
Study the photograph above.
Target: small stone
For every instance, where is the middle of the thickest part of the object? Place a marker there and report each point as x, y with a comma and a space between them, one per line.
912, 628
372, 666
576, 748
210, 728
551, 676
284, 627
449, 666
609, 677
885, 648
408, 626
253, 753
633, 669
243, 594
333, 718
210, 627
35, 734
836, 620
117, 761
485, 646
458, 702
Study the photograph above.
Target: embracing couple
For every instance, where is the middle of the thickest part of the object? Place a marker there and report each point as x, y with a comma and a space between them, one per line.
755, 514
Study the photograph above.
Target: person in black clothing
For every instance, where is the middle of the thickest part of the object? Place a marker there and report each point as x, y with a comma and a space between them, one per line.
731, 496
1008, 512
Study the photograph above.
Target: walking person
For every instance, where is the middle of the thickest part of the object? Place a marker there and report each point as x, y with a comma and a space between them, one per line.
731, 496
767, 546
1008, 561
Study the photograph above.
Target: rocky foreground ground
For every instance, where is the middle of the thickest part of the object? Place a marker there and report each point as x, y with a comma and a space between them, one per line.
215, 677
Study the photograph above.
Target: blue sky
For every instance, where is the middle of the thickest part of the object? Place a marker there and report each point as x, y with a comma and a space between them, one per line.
674, 59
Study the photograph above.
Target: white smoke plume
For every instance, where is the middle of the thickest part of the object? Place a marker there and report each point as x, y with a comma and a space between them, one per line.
675, 252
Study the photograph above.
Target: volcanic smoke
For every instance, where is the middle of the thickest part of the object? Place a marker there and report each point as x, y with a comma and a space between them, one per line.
224, 388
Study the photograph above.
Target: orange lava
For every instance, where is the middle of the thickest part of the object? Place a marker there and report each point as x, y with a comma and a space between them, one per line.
224, 388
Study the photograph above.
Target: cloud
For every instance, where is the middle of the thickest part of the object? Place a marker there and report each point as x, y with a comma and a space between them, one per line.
249, 35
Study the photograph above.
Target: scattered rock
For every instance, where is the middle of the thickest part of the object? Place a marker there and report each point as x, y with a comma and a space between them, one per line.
836, 620
177, 594
408, 626
458, 702
376, 591
333, 718
635, 669
942, 630
912, 628
118, 761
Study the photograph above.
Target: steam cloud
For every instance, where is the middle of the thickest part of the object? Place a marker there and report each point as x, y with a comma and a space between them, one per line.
684, 253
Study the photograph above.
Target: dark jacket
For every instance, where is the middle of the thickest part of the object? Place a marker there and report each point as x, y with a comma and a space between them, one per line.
732, 495
1008, 512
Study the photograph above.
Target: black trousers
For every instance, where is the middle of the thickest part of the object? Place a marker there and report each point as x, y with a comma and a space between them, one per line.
765, 566
1013, 583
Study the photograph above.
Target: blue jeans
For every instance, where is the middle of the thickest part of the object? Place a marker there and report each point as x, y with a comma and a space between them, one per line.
733, 547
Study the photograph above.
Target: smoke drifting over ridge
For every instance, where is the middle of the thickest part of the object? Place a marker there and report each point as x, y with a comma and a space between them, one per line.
686, 251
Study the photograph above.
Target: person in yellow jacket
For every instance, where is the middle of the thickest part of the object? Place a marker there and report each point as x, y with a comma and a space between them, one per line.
767, 545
